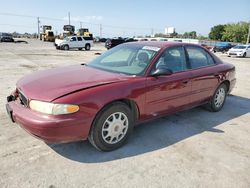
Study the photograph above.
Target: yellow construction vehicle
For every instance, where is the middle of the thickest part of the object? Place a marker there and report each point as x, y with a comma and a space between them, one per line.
84, 32
68, 30
46, 33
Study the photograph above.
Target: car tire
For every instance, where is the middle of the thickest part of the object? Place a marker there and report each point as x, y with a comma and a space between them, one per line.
87, 47
111, 127
66, 47
79, 48
244, 55
218, 98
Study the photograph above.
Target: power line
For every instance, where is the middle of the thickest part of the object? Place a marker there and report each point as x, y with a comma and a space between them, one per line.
18, 25
18, 15
89, 23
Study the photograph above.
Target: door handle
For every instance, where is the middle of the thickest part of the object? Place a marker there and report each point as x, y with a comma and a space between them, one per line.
185, 81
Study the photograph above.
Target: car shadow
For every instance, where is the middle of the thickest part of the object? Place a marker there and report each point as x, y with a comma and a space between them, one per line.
82, 50
160, 133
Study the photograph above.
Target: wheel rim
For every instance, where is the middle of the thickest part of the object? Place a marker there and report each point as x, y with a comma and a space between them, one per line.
115, 128
219, 97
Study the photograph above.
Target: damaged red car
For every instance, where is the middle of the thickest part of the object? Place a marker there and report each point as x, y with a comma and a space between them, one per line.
134, 82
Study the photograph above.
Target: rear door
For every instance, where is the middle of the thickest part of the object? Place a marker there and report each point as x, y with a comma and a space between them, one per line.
205, 76
172, 92
80, 42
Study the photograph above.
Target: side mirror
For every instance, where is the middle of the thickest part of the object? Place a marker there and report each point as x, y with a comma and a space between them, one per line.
161, 71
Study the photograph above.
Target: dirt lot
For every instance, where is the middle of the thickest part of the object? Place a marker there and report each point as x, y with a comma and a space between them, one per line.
195, 148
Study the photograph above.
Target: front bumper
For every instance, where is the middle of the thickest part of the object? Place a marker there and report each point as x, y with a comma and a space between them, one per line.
238, 54
50, 128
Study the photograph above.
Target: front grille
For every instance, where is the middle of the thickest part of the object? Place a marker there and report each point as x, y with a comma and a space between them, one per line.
24, 100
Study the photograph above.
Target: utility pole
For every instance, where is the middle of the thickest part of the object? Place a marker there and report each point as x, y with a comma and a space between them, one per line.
38, 27
248, 36
69, 17
100, 30
80, 24
152, 32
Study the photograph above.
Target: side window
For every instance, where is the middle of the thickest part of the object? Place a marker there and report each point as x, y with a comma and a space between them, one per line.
79, 38
198, 57
73, 39
173, 58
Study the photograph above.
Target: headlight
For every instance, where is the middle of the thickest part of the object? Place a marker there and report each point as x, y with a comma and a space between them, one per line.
51, 108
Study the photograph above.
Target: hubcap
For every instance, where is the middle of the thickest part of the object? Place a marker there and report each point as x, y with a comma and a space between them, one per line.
115, 128
219, 97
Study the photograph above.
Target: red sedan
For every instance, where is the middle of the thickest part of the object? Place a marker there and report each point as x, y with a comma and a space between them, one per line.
127, 85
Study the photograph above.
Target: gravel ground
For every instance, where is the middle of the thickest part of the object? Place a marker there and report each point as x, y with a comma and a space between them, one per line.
194, 148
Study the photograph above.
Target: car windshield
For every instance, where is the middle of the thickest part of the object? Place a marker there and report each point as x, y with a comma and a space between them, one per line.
126, 59
239, 47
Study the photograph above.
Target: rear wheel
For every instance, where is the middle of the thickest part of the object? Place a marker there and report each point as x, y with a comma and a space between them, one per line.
112, 127
87, 47
79, 48
218, 99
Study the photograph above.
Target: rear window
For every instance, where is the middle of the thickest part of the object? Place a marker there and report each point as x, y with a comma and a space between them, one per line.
79, 38
198, 57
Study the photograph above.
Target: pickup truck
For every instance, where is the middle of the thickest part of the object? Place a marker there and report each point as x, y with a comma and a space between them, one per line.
71, 42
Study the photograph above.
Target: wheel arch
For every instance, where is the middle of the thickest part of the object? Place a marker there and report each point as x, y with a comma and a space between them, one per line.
227, 83
129, 102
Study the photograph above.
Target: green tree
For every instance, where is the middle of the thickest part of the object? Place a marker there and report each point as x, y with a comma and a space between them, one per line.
192, 35
236, 32
216, 32
174, 34
160, 35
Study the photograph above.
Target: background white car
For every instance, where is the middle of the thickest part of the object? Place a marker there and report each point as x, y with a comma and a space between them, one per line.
239, 51
74, 42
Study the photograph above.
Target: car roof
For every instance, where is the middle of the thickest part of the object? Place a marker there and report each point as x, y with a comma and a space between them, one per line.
160, 44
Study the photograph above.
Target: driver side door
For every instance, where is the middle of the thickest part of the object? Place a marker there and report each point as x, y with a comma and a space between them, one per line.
170, 93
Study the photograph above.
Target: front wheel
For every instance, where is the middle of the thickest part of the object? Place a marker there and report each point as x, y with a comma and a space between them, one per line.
111, 127
218, 99
66, 47
244, 55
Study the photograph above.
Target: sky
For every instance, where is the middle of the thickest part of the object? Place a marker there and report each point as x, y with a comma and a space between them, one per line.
122, 17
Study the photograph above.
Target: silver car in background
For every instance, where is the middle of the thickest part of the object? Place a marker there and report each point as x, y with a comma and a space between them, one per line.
239, 51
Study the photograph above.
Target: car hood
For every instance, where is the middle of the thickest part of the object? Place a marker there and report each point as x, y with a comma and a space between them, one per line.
54, 83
